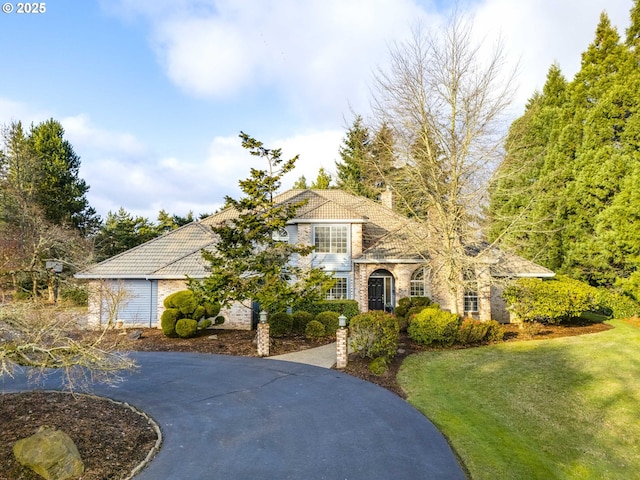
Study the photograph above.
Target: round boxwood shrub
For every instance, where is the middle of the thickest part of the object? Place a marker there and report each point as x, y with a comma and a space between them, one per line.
314, 329
300, 320
204, 323
198, 313
330, 321
168, 321
378, 366
186, 327
434, 326
374, 334
183, 300
280, 324
212, 309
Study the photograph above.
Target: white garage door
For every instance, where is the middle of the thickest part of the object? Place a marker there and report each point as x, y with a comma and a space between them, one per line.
136, 301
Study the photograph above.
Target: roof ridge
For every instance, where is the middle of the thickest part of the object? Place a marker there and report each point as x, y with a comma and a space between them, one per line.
137, 247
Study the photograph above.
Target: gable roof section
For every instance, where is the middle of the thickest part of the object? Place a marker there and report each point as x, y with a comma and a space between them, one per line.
170, 256
387, 237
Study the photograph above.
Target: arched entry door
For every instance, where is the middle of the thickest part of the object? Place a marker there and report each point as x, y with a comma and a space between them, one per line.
381, 290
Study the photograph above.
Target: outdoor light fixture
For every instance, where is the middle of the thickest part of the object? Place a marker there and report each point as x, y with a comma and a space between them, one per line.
263, 316
342, 321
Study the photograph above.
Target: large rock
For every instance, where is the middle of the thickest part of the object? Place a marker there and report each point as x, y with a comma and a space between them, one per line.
50, 453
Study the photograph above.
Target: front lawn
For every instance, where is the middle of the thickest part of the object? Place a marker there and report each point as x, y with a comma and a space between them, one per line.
565, 408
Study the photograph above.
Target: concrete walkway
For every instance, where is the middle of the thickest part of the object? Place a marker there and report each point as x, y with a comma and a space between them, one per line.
324, 356
252, 418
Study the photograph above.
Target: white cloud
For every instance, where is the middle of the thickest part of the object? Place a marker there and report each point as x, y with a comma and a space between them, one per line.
537, 33
80, 131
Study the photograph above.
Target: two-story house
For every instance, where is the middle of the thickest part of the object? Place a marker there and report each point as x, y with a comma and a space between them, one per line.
376, 255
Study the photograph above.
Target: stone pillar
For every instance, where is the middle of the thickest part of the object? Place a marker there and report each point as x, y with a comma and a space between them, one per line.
342, 353
263, 339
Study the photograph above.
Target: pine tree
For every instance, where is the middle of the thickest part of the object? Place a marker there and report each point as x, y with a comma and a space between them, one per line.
250, 261
322, 181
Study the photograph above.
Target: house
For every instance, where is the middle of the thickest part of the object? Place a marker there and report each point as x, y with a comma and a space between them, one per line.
376, 255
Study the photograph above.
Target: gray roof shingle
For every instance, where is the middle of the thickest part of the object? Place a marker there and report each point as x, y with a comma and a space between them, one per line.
387, 236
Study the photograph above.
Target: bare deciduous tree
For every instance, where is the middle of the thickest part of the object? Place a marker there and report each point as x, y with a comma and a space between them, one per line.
444, 96
43, 337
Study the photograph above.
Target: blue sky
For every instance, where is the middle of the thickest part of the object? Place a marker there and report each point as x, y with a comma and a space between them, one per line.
153, 93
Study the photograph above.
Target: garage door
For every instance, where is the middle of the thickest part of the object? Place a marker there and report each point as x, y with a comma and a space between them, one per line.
136, 301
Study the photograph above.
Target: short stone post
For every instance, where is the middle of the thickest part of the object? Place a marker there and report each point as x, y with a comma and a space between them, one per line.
263, 335
342, 353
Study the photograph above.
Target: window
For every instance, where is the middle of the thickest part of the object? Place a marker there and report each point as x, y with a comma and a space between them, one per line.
281, 235
330, 239
339, 290
418, 286
470, 292
470, 301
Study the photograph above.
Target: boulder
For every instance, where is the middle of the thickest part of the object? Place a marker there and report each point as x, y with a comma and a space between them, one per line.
51, 454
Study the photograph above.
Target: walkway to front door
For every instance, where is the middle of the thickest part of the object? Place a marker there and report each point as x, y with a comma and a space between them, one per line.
380, 290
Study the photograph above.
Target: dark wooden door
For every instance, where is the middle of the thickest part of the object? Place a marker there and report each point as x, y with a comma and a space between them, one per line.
376, 293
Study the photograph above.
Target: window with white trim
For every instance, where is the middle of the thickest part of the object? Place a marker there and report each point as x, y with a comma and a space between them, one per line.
471, 302
281, 235
330, 238
339, 291
418, 285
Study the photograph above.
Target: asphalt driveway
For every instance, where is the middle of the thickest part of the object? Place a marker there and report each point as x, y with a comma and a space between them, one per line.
248, 418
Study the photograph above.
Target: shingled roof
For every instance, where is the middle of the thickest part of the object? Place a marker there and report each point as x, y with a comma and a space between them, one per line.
387, 237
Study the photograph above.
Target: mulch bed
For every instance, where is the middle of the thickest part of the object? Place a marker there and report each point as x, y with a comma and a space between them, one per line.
113, 440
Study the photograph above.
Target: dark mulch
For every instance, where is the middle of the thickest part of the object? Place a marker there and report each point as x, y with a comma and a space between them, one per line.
113, 440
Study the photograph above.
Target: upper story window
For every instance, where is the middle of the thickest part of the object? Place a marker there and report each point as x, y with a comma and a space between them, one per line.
281, 235
330, 239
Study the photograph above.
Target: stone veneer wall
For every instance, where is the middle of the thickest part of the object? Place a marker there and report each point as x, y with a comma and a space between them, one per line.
236, 317
401, 273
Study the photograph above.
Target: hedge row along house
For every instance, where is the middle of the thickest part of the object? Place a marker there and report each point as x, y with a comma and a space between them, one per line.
376, 255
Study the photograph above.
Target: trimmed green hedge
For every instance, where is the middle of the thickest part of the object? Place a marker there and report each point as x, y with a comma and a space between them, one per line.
349, 308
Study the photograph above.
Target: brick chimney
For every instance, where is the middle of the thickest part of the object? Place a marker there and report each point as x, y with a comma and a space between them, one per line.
387, 198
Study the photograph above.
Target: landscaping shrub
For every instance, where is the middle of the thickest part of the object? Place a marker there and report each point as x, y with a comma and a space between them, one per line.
168, 321
280, 324
183, 300
186, 327
184, 305
211, 309
314, 329
204, 323
330, 321
495, 331
75, 295
408, 307
300, 320
471, 332
615, 304
348, 308
374, 334
551, 300
378, 366
434, 326
198, 313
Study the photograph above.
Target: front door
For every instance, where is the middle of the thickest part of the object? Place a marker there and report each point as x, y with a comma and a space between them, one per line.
376, 293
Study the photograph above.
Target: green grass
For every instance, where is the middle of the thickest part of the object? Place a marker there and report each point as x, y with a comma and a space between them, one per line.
566, 408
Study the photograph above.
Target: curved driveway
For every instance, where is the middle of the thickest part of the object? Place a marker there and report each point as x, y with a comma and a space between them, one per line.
250, 418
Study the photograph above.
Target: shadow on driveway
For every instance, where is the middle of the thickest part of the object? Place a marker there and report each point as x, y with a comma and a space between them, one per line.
250, 418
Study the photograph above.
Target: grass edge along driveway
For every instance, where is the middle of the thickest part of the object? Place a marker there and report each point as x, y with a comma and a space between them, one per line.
565, 408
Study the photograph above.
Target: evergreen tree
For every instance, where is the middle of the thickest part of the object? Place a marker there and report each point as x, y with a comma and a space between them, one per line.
322, 181
576, 151
301, 183
59, 191
250, 261
122, 231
